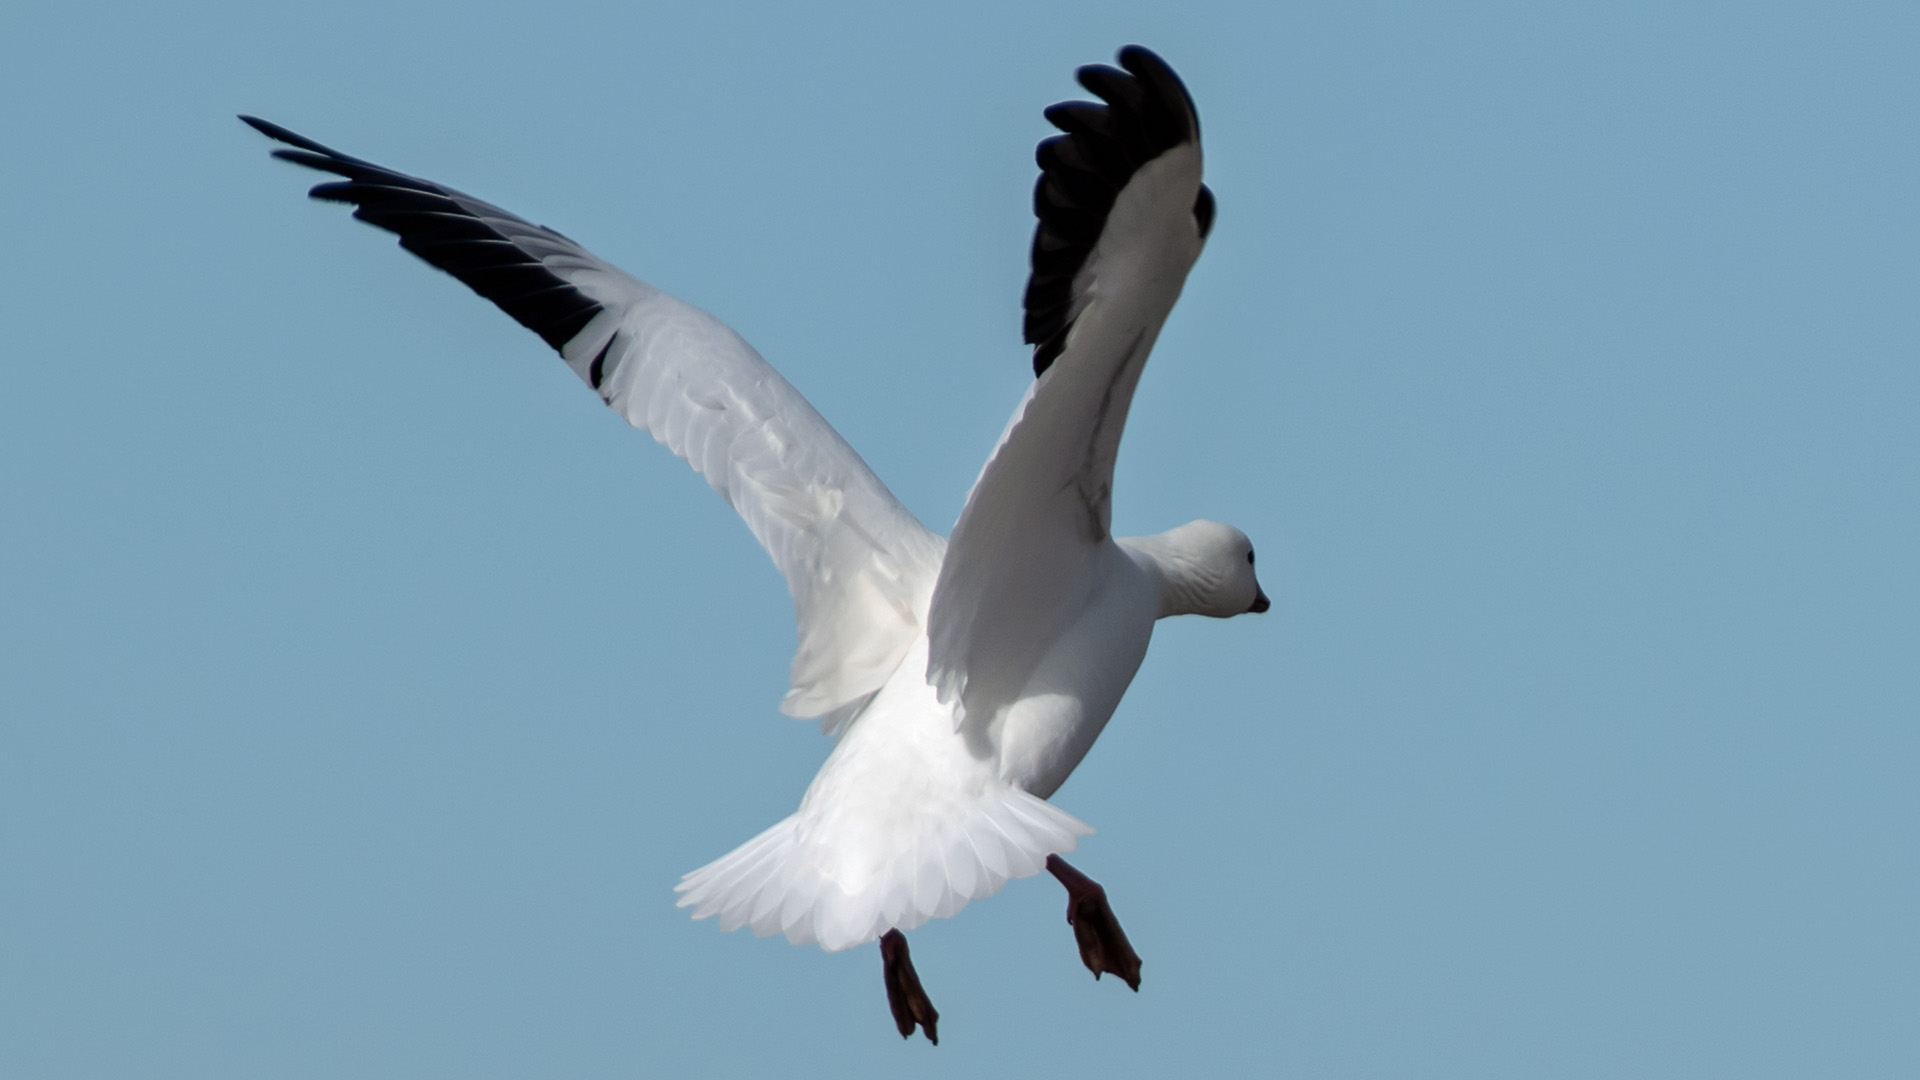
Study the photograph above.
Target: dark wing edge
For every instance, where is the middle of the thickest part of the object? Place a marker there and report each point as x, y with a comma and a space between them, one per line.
441, 226
1147, 113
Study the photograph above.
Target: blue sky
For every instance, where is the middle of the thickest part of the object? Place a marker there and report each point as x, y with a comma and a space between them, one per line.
365, 686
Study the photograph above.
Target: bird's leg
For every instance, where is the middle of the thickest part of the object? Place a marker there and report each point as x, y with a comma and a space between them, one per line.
904, 996
1103, 945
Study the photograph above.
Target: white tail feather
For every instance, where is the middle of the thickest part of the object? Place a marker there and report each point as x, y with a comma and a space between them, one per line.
816, 883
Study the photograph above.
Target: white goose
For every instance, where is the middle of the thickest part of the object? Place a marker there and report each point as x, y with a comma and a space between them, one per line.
966, 677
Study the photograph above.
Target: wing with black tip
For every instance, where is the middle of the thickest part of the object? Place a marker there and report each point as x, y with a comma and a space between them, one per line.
1122, 218
858, 563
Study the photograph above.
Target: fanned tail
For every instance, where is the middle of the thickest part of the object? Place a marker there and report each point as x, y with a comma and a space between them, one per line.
822, 879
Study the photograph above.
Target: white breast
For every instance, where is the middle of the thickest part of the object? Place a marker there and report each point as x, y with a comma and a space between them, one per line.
1045, 733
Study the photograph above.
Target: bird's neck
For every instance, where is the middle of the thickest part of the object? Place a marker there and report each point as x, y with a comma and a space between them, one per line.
1180, 580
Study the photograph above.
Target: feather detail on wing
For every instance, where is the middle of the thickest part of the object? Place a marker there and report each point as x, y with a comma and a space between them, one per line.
1122, 217
859, 565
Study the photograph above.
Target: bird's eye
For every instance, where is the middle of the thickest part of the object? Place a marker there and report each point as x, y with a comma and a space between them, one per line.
1249, 556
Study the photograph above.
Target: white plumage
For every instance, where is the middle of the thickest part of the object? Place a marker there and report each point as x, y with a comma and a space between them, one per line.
965, 678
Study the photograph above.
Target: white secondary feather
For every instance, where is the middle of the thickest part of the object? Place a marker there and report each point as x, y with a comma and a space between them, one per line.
965, 680
858, 563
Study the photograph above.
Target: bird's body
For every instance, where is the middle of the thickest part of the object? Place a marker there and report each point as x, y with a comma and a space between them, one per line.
965, 677
1078, 682
918, 809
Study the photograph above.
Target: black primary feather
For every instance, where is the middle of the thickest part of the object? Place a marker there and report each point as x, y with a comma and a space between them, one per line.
442, 226
1147, 113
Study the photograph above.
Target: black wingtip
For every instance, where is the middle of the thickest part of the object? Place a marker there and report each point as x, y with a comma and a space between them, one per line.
452, 232
1145, 63
274, 131
1145, 111
1147, 66
292, 138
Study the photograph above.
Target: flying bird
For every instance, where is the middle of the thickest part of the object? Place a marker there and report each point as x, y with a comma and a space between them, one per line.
963, 677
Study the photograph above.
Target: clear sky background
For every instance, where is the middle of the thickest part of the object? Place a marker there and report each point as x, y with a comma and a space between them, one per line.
365, 686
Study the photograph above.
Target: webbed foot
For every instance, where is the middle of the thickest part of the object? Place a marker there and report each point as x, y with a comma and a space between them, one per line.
904, 996
1103, 945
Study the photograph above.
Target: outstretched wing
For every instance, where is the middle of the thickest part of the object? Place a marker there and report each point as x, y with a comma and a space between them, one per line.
858, 563
1122, 217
